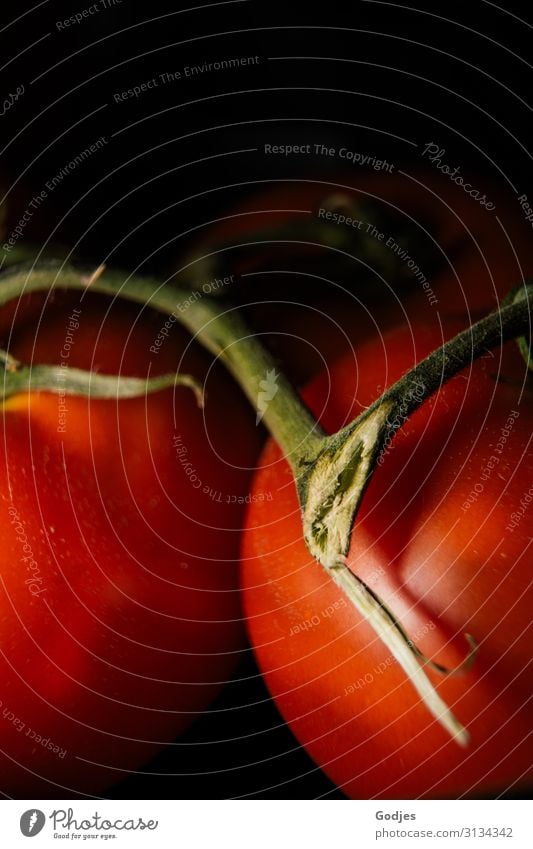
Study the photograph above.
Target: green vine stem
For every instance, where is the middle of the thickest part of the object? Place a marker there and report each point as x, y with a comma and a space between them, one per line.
524, 342
331, 471
19, 378
218, 328
355, 450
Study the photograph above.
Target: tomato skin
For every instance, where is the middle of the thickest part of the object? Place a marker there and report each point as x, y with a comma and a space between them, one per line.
481, 255
443, 570
124, 621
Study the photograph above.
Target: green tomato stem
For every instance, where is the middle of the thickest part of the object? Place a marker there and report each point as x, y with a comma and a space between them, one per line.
219, 329
524, 343
386, 628
332, 490
331, 472
73, 381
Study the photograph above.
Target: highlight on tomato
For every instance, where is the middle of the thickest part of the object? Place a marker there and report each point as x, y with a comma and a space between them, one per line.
443, 537
120, 616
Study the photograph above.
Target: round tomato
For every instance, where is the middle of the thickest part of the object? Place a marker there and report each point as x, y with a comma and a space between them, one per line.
120, 616
424, 249
443, 537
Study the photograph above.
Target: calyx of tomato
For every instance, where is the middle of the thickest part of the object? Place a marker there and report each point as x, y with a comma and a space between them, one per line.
331, 472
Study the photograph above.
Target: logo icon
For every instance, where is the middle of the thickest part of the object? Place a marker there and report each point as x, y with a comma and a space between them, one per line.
32, 822
269, 389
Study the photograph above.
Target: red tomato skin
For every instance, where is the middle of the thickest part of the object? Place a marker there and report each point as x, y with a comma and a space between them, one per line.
483, 254
125, 622
443, 570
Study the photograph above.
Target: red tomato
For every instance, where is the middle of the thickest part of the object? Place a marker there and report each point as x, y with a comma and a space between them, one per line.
120, 616
443, 537
478, 254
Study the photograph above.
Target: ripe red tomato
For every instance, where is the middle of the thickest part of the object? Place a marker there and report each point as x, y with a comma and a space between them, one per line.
120, 616
478, 254
443, 536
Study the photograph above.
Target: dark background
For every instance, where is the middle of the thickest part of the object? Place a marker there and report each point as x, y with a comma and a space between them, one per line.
457, 74
372, 76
